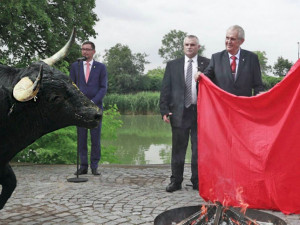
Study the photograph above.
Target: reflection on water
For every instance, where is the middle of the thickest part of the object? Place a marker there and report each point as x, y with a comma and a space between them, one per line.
144, 139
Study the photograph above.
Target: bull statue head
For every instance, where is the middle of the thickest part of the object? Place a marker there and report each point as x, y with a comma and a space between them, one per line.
57, 103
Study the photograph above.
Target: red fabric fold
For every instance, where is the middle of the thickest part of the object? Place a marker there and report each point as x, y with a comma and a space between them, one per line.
249, 147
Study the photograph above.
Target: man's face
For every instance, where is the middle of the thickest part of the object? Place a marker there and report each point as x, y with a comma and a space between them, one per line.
87, 51
190, 47
232, 42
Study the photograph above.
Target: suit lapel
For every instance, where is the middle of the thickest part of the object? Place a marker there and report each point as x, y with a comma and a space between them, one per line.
82, 75
226, 62
181, 69
241, 64
200, 64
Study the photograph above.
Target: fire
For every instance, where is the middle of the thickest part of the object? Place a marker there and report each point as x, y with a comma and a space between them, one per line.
235, 221
203, 210
243, 205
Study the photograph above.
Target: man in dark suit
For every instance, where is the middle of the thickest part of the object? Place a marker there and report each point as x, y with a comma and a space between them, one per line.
93, 84
178, 101
235, 70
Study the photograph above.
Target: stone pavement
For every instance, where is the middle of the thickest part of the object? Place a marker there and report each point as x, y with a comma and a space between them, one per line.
121, 195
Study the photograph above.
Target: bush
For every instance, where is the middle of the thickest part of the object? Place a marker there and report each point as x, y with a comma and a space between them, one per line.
139, 103
270, 82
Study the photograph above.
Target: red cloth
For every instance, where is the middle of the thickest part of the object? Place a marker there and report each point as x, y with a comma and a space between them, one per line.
249, 147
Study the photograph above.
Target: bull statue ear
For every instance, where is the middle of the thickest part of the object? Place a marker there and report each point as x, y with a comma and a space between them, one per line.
25, 89
62, 52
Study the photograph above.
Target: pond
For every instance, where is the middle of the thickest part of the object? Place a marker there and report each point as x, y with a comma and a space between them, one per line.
144, 139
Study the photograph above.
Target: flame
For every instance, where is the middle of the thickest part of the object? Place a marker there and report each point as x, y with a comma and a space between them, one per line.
226, 200
243, 205
235, 221
203, 210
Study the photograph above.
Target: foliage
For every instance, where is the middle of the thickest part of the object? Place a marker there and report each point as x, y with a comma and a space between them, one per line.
59, 147
270, 82
156, 72
282, 66
120, 60
156, 76
123, 67
172, 45
139, 103
31, 29
263, 61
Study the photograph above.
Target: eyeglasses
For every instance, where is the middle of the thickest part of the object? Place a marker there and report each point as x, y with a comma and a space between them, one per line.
87, 49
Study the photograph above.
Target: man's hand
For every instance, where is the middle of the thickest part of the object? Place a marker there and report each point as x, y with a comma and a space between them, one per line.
166, 117
197, 76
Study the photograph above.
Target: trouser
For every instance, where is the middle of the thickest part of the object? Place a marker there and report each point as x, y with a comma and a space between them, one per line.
95, 146
180, 139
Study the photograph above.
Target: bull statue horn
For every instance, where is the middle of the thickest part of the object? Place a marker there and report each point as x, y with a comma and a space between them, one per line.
25, 89
62, 52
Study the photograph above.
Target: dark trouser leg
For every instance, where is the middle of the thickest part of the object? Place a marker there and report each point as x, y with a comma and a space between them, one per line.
96, 146
9, 183
180, 138
194, 160
82, 145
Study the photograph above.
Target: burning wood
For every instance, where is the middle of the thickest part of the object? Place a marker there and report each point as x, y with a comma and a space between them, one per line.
219, 215
216, 214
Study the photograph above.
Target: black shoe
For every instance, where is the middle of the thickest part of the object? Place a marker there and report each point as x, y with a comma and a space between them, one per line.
196, 186
95, 172
81, 171
173, 187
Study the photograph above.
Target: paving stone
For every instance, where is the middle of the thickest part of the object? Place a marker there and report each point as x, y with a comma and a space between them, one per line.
121, 195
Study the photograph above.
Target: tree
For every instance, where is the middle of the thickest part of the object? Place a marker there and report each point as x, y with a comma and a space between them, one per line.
282, 66
120, 60
263, 61
31, 29
155, 76
123, 68
172, 45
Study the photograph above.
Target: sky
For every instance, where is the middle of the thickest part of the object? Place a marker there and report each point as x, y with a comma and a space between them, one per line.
272, 26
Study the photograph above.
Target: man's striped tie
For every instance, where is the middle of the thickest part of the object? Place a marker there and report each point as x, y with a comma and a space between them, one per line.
188, 85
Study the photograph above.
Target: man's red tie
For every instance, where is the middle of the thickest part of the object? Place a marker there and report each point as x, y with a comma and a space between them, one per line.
233, 65
87, 72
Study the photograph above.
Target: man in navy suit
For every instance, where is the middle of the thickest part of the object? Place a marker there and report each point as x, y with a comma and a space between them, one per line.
178, 101
235, 70
92, 82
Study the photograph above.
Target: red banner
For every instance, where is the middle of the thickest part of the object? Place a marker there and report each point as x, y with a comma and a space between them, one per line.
249, 147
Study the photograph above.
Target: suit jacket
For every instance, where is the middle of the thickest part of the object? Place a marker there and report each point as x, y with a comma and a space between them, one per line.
248, 77
173, 88
96, 87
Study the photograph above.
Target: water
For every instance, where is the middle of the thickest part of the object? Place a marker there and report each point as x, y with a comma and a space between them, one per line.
144, 139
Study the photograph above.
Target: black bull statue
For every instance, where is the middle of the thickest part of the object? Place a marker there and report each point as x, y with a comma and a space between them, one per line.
35, 101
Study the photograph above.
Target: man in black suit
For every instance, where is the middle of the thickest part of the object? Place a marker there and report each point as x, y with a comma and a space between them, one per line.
235, 70
178, 101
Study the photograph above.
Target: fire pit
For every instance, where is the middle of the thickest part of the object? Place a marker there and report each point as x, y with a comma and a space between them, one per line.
216, 214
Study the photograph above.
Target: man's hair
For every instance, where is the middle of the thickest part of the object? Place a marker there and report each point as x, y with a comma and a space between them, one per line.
239, 29
89, 43
191, 36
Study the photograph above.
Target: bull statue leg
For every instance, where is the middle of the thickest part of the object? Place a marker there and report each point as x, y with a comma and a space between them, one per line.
9, 182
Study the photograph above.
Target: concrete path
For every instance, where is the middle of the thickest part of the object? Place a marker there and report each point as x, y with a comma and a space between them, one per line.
121, 195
